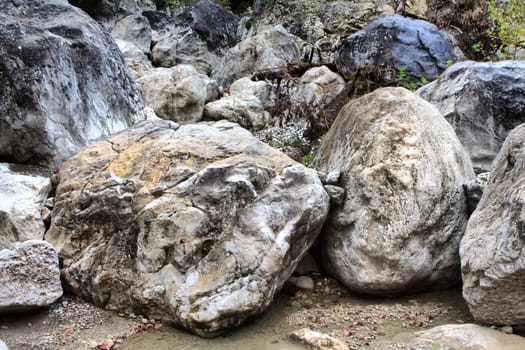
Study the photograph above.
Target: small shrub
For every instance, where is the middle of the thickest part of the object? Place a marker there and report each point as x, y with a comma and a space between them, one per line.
508, 26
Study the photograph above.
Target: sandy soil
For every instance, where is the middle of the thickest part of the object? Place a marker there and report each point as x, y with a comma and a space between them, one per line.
361, 322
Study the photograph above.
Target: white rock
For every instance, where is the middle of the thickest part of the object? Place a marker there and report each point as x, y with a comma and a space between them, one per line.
29, 276
405, 210
246, 110
21, 201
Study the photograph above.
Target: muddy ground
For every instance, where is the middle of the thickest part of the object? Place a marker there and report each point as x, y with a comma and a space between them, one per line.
361, 322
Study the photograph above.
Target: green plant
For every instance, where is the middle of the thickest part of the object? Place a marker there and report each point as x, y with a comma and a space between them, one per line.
307, 159
404, 80
507, 32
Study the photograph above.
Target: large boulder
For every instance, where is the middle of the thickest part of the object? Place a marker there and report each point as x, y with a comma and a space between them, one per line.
136, 30
483, 101
466, 336
63, 83
492, 250
196, 36
137, 62
199, 224
271, 50
396, 49
315, 90
405, 210
22, 197
177, 93
29, 276
246, 110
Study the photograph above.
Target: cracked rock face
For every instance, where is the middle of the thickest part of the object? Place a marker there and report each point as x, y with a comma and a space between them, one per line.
29, 276
63, 83
22, 198
199, 224
483, 101
392, 44
492, 250
405, 209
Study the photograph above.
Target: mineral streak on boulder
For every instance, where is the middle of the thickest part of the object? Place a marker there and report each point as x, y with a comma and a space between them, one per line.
63, 83
199, 224
405, 210
492, 250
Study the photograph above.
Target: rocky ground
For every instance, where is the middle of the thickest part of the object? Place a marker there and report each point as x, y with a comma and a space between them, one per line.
362, 323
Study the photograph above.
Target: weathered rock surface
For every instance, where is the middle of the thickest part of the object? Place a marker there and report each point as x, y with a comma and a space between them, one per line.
104, 10
405, 209
317, 22
272, 49
469, 336
474, 190
29, 276
63, 83
483, 102
199, 224
492, 254
246, 110
134, 29
392, 44
315, 90
21, 201
177, 93
137, 62
196, 36
263, 90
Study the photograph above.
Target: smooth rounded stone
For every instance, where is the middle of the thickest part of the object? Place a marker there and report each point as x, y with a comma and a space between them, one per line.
29, 276
262, 89
246, 110
314, 91
302, 282
492, 249
469, 336
405, 209
134, 29
268, 51
177, 93
316, 340
483, 101
137, 62
392, 44
199, 224
21, 201
63, 83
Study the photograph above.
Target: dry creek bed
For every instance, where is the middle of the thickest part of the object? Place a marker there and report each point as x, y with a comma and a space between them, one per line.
362, 323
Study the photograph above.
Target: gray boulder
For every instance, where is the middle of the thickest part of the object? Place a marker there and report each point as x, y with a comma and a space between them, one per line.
198, 224
483, 102
263, 90
22, 199
270, 50
468, 336
246, 110
136, 30
63, 83
137, 62
393, 47
492, 254
405, 209
177, 93
314, 91
196, 36
29, 276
